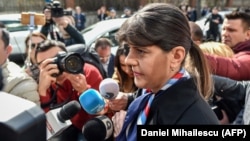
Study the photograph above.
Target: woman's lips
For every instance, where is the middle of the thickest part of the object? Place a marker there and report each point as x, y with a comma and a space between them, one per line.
136, 73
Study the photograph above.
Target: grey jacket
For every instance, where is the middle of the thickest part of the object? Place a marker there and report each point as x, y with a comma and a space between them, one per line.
19, 83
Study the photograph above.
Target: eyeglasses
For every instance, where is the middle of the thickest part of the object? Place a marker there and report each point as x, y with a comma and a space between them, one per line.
33, 45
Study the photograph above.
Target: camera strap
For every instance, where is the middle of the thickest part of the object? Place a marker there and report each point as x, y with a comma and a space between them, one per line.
52, 103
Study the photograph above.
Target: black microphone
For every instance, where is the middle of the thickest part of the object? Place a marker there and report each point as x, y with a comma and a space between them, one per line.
58, 119
99, 128
68, 111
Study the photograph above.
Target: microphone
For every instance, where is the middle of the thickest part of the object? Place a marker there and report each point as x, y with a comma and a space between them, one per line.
58, 119
109, 88
99, 128
92, 101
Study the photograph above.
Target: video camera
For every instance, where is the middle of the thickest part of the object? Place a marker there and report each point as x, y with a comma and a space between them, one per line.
68, 62
58, 11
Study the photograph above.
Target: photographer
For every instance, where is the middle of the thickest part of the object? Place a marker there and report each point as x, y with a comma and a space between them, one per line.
60, 81
60, 25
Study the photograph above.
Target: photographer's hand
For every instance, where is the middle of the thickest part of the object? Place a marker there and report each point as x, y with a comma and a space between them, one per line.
78, 82
47, 68
61, 21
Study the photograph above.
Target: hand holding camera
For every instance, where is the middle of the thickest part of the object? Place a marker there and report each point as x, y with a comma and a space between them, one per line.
47, 69
78, 81
61, 21
51, 68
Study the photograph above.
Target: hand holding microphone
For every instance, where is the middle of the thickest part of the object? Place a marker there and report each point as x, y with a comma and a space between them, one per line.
109, 89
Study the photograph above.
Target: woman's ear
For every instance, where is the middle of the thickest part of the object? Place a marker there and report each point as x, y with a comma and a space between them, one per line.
179, 54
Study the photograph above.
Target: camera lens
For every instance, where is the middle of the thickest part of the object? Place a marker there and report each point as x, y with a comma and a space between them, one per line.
73, 64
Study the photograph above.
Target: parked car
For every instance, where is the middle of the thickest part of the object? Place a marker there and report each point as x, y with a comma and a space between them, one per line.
18, 33
107, 29
202, 20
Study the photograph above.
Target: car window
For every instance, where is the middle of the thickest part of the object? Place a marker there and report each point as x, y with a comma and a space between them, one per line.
15, 25
88, 28
110, 35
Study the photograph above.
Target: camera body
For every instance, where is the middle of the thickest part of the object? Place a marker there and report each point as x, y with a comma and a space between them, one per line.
58, 11
69, 62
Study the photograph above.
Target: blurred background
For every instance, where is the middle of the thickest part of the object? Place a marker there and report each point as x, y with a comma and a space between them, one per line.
89, 7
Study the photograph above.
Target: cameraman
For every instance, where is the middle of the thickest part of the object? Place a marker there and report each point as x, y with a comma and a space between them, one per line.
61, 28
55, 91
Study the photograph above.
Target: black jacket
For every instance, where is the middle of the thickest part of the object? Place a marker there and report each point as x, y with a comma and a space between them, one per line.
233, 94
75, 36
180, 104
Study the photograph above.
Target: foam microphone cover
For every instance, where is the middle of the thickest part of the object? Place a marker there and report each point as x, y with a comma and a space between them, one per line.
109, 88
68, 111
99, 128
92, 101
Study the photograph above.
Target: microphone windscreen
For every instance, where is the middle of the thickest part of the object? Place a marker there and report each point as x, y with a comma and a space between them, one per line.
91, 101
99, 128
68, 110
109, 88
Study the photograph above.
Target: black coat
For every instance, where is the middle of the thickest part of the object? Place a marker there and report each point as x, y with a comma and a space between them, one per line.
181, 104
233, 94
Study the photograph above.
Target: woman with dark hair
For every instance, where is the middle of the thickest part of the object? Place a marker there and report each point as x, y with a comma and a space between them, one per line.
125, 78
170, 95
123, 73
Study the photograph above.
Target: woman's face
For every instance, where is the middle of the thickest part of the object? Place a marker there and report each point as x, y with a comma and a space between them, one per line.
47, 13
150, 65
35, 40
126, 68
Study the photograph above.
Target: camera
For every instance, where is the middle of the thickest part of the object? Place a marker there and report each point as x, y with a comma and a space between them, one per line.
38, 19
68, 62
58, 11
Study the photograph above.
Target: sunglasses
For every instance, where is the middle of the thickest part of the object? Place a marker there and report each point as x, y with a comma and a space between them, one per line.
33, 45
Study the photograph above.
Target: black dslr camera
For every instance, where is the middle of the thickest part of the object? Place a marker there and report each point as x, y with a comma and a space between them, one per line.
68, 62
58, 11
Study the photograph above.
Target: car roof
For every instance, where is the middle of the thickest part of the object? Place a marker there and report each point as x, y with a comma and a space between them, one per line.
90, 33
10, 16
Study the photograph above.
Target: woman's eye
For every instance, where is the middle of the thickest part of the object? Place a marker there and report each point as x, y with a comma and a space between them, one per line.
139, 51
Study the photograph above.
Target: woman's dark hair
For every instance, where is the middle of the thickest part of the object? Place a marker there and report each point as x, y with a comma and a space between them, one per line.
166, 26
124, 77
